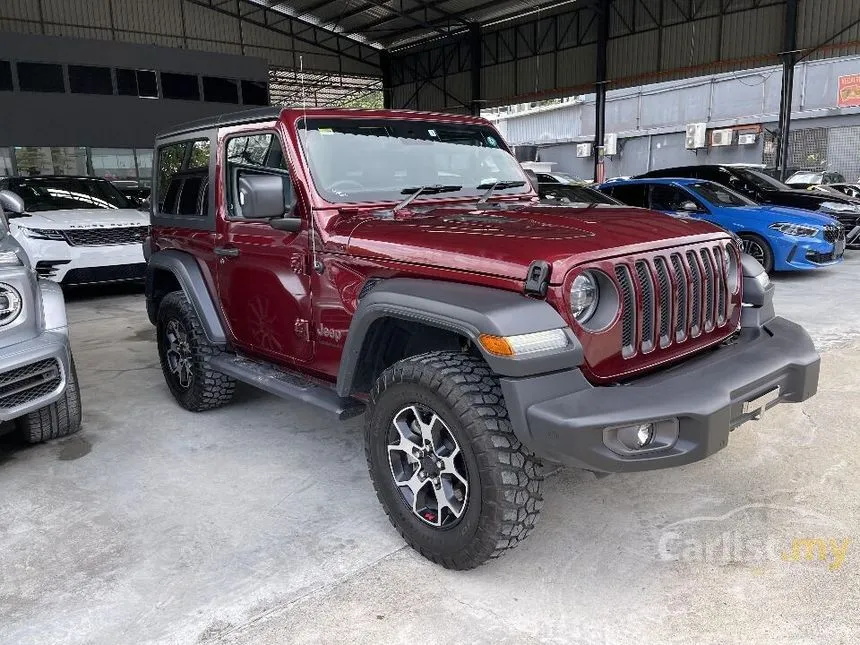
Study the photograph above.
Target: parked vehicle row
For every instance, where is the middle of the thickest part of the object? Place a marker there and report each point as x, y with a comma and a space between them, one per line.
764, 189
485, 322
780, 238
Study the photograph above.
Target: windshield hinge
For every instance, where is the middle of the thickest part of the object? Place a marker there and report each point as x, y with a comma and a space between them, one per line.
537, 278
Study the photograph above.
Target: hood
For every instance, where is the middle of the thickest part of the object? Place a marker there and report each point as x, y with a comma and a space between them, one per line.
84, 218
790, 195
504, 242
787, 214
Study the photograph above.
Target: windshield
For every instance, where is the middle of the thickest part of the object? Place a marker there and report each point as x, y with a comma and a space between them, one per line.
576, 195
369, 160
759, 179
60, 193
806, 178
720, 195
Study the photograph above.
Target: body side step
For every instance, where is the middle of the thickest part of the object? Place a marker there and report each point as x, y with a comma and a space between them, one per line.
287, 385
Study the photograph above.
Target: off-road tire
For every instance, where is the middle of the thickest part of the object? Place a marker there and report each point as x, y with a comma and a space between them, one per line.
505, 479
767, 253
59, 419
209, 388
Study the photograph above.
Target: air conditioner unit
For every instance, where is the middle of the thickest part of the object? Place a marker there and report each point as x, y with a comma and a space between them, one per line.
583, 150
610, 145
696, 136
722, 137
747, 139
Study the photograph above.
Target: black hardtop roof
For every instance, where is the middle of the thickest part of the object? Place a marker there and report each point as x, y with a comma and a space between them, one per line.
222, 120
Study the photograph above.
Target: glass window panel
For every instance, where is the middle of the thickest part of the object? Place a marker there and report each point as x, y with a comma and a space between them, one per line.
5, 162
136, 82
220, 90
113, 163
40, 77
199, 154
85, 79
180, 86
5, 76
51, 161
144, 166
255, 93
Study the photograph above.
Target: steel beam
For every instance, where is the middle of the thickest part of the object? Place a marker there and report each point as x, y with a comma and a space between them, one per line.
789, 60
602, 10
475, 53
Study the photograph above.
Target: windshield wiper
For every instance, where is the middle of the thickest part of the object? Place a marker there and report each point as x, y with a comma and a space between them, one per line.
492, 186
431, 189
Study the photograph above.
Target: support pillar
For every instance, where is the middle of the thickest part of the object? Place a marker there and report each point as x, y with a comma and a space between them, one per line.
602, 9
789, 61
387, 85
475, 55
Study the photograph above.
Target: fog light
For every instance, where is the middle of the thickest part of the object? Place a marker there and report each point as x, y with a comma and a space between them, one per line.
636, 437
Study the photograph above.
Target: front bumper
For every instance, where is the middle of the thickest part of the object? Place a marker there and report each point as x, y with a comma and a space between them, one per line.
562, 418
33, 373
61, 262
809, 253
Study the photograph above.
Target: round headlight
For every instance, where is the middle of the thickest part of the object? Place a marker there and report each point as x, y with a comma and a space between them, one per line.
584, 295
10, 303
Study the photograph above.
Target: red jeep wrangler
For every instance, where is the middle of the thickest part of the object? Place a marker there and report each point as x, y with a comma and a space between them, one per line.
400, 265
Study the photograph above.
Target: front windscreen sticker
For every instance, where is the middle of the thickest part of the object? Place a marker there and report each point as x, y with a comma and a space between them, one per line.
492, 141
432, 133
326, 131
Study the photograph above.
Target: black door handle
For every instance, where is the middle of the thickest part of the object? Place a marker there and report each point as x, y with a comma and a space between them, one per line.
227, 251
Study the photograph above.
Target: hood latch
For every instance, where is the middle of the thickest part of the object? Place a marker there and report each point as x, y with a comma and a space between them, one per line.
537, 278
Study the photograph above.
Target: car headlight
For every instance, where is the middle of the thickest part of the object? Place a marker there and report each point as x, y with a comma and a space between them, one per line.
10, 304
795, 230
42, 234
584, 296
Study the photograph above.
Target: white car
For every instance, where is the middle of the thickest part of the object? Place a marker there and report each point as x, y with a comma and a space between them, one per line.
78, 230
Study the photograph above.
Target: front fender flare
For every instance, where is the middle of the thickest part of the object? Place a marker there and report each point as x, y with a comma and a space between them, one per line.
190, 277
467, 310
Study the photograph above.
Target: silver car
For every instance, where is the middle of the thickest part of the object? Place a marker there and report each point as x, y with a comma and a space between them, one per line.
39, 393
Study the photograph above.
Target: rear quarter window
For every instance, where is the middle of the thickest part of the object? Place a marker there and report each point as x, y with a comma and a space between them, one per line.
174, 160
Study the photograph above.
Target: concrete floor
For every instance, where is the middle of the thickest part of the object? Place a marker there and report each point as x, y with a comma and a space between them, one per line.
257, 523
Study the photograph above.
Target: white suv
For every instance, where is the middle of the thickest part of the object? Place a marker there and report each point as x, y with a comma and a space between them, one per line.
78, 230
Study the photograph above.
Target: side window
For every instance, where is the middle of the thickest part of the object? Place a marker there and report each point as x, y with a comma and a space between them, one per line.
182, 169
632, 194
668, 198
257, 154
546, 179
189, 196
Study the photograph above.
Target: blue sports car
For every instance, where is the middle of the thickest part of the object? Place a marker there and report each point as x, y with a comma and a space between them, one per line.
781, 238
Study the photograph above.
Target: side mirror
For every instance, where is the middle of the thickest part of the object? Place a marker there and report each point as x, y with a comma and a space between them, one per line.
145, 205
690, 207
261, 196
11, 203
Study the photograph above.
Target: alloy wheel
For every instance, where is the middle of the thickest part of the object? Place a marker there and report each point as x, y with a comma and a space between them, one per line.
753, 248
179, 356
428, 466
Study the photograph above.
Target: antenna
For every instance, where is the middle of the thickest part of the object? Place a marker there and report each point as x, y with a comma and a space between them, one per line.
317, 264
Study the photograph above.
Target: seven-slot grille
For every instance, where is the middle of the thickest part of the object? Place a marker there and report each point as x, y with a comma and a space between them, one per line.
105, 236
672, 297
833, 233
26, 384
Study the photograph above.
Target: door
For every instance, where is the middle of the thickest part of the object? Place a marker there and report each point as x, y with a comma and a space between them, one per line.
263, 282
